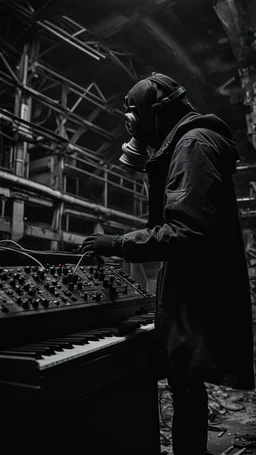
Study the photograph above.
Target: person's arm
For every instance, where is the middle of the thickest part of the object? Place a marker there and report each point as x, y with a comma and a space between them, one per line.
192, 210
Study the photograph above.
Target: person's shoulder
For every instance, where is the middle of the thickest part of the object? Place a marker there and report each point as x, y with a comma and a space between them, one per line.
200, 134
198, 137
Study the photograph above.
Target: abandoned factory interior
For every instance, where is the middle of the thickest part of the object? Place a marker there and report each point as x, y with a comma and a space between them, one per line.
128, 226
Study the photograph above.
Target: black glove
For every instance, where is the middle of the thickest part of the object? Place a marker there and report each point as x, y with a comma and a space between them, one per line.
103, 244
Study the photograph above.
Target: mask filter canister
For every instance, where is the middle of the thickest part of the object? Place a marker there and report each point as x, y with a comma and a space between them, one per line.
135, 155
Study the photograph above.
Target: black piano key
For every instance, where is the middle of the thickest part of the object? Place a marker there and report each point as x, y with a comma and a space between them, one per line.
64, 344
88, 336
114, 330
106, 332
34, 355
45, 350
26, 348
95, 333
55, 346
142, 320
73, 340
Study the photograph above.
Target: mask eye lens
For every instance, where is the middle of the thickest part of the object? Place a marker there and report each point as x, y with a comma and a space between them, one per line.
128, 126
129, 123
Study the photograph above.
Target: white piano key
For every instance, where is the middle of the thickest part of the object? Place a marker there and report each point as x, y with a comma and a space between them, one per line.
66, 355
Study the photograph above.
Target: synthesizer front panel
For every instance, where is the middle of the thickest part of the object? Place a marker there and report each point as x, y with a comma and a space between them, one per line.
41, 301
34, 289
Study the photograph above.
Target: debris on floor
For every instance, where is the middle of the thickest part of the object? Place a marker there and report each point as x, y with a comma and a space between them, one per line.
232, 419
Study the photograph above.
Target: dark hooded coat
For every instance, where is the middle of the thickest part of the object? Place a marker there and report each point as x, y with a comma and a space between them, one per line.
203, 308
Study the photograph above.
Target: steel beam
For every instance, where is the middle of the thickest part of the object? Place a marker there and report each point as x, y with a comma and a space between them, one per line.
83, 173
72, 40
54, 105
30, 185
86, 93
117, 22
41, 132
172, 45
23, 110
233, 24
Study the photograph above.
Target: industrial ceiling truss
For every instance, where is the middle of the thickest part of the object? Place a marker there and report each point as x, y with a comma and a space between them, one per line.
62, 85
43, 155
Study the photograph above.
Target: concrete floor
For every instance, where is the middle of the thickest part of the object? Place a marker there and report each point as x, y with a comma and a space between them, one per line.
240, 421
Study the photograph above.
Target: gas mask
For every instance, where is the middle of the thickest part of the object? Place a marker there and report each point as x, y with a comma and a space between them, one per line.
142, 104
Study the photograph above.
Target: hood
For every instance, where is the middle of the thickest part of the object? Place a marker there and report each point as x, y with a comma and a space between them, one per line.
194, 120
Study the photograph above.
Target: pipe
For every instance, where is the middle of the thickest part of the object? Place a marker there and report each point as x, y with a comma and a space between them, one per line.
245, 167
82, 172
68, 199
233, 24
67, 39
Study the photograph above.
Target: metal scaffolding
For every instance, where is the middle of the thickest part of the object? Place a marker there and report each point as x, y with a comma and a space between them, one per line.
55, 156
47, 168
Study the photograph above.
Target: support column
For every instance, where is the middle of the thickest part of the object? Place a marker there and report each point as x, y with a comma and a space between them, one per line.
23, 110
17, 220
58, 173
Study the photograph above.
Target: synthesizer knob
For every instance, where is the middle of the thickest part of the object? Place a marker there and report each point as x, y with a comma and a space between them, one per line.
71, 286
4, 309
27, 269
80, 285
41, 273
45, 302
9, 292
31, 291
70, 275
105, 283
25, 304
18, 289
65, 279
35, 303
12, 282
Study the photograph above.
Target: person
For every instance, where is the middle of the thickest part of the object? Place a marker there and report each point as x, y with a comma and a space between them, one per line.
203, 320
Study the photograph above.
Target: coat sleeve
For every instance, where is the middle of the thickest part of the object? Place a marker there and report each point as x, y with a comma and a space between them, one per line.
192, 209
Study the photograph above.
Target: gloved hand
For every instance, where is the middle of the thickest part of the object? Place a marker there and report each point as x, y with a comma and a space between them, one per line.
103, 244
